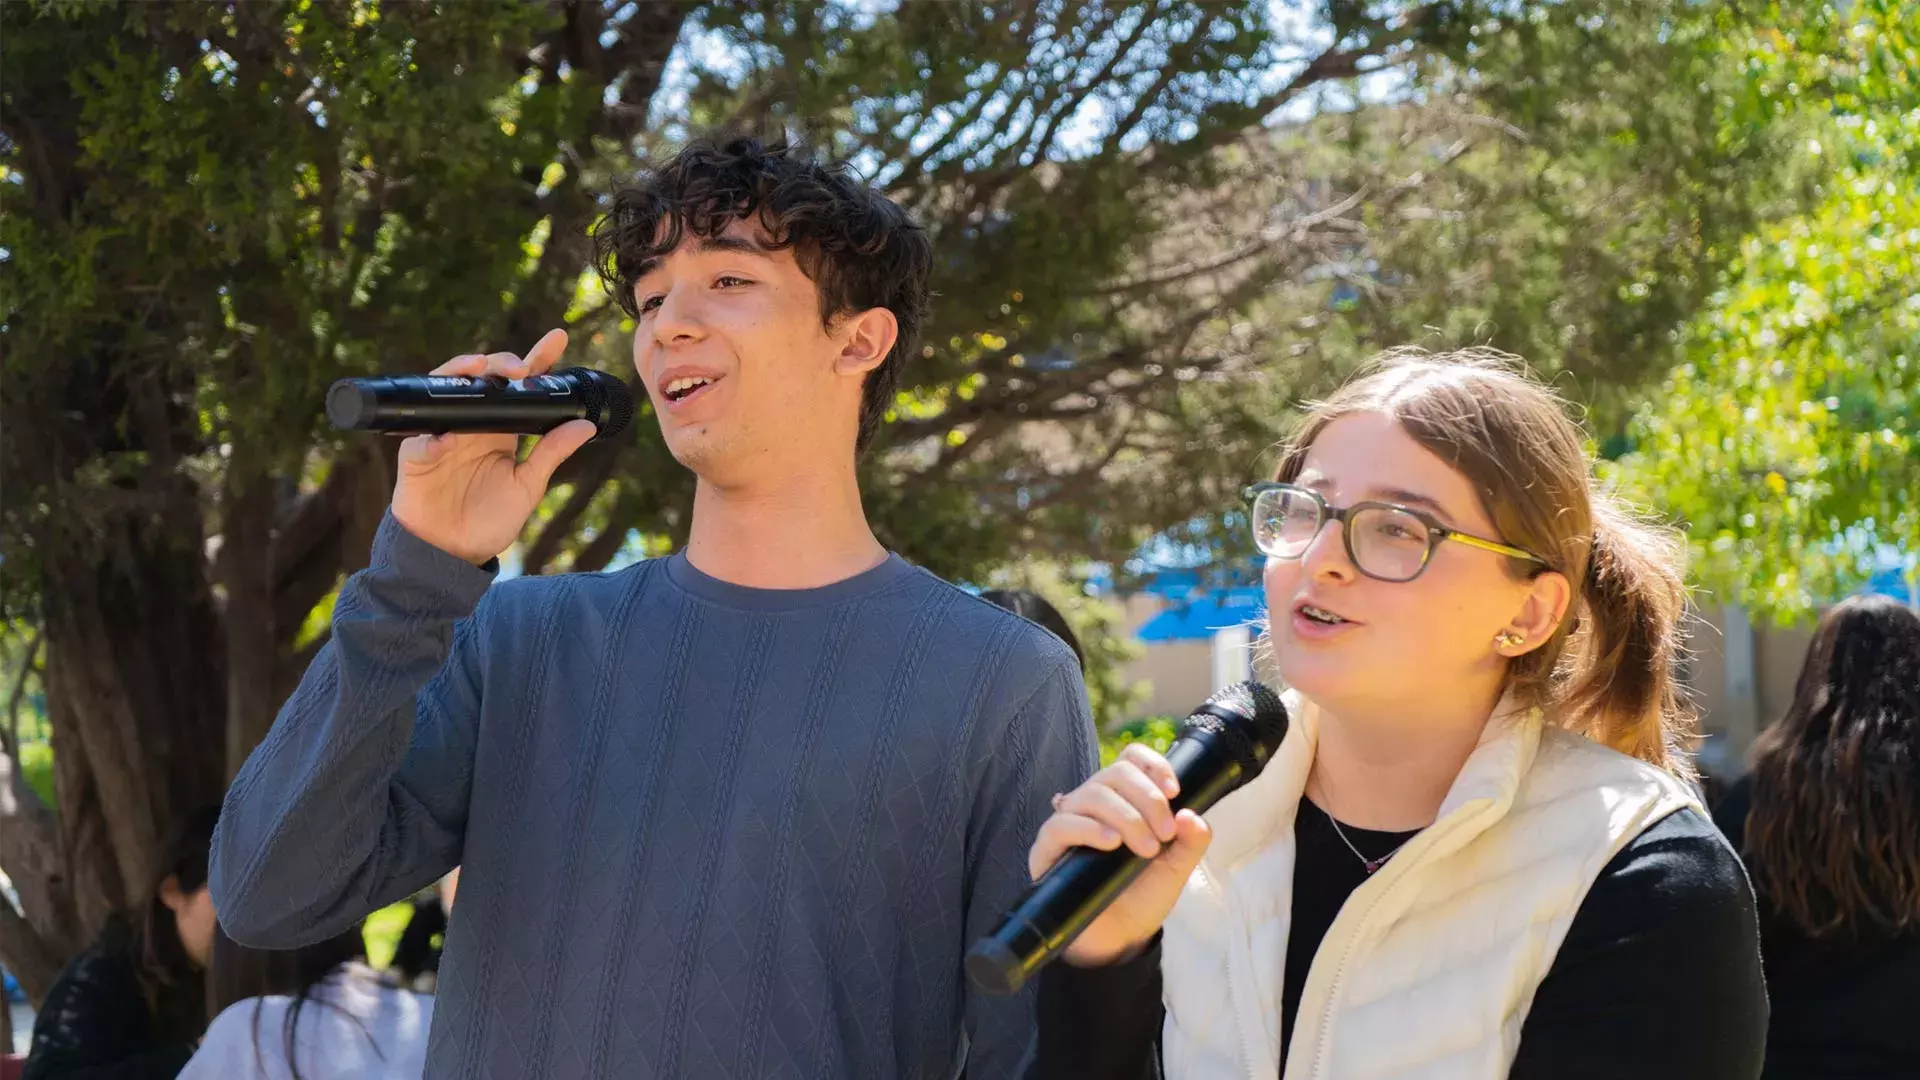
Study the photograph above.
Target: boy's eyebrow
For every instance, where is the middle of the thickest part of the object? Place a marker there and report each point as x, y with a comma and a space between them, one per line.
711, 245
708, 245
726, 242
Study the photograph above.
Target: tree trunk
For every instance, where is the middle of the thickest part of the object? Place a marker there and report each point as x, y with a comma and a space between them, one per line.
317, 541
34, 949
252, 637
163, 667
136, 693
155, 693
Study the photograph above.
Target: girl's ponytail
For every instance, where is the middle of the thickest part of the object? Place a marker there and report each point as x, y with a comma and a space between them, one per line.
1618, 672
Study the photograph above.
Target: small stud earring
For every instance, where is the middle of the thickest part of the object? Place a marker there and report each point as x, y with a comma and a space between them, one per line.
1508, 639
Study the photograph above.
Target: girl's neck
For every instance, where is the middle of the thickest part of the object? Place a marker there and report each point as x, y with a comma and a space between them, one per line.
1391, 769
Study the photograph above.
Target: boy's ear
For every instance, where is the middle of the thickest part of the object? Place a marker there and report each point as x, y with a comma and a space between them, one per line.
867, 339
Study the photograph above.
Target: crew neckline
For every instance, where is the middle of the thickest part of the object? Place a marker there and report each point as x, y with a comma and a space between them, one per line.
695, 582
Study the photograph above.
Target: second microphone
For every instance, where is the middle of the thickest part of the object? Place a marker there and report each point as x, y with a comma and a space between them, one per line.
1224, 744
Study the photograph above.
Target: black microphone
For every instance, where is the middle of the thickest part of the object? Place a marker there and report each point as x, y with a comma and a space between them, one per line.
437, 404
1224, 744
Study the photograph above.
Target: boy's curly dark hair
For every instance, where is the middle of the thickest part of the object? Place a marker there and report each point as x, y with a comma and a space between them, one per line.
860, 249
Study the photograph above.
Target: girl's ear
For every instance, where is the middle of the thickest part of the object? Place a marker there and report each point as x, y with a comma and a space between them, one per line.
1538, 617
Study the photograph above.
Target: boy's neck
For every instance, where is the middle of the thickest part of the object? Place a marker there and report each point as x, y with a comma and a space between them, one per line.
803, 531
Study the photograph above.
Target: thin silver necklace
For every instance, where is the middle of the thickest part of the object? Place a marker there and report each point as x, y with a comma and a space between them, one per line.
1370, 864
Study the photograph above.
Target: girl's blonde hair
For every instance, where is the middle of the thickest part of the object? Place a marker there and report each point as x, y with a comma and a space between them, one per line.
1608, 670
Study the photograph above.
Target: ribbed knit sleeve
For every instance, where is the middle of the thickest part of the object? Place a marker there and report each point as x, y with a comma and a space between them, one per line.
358, 795
1048, 747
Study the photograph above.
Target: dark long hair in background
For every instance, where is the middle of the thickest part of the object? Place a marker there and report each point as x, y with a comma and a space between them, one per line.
171, 983
1833, 836
239, 973
1034, 608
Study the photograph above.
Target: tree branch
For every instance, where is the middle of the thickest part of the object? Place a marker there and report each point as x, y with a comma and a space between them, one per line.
1050, 390
540, 554
28, 955
31, 854
305, 541
1338, 63
250, 613
626, 513
1079, 481
1293, 232
636, 60
1065, 95
1168, 72
646, 41
914, 166
1125, 50
11, 746
327, 533
911, 176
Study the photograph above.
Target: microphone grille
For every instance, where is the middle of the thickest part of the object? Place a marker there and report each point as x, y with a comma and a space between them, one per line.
1253, 711
619, 410
608, 402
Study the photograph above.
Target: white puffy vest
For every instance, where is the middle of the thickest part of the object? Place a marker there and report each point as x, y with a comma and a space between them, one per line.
1429, 969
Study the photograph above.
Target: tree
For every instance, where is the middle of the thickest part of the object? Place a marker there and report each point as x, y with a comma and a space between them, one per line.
1593, 212
214, 210
1787, 438
1551, 182
218, 209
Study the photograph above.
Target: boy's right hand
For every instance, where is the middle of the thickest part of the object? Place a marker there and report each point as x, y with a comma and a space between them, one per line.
469, 495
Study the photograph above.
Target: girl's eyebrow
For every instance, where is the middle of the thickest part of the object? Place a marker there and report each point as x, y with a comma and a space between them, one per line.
1400, 496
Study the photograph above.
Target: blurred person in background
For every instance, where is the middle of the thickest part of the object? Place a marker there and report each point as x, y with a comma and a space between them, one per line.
416, 957
1829, 823
131, 1006
1034, 608
313, 1013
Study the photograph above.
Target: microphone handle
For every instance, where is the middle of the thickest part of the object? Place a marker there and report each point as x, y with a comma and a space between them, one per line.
501, 418
1086, 880
437, 404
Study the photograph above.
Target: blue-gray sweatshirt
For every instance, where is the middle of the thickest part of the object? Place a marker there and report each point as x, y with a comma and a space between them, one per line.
704, 830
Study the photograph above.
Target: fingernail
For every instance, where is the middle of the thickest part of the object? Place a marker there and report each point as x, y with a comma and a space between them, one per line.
1170, 786
1109, 836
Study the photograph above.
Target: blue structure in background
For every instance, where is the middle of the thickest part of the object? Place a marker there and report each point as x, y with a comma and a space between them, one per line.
1891, 581
1199, 618
1197, 607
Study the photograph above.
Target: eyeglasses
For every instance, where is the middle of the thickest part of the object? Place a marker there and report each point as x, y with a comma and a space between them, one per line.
1385, 541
